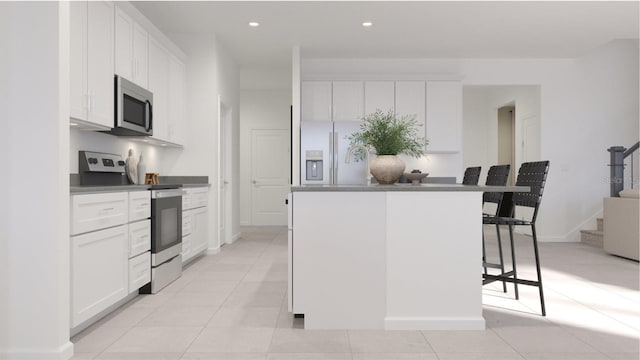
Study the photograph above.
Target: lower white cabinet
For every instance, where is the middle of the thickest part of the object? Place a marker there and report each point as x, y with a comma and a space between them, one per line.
195, 230
195, 222
99, 271
139, 271
110, 258
199, 229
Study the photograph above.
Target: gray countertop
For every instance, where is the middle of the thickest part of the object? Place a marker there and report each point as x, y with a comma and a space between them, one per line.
409, 187
123, 184
117, 188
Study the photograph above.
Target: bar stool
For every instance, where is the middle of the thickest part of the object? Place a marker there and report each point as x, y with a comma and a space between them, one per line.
471, 175
498, 175
533, 175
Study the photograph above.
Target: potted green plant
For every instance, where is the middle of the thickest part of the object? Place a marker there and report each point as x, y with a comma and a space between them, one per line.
388, 135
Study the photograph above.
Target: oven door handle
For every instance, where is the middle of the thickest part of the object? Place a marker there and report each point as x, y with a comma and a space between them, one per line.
163, 194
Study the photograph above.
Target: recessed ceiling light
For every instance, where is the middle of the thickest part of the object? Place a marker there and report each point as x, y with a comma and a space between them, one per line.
367, 24
164, 144
73, 124
254, 24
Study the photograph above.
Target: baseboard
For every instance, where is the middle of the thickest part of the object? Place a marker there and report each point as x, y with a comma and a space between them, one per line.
64, 352
235, 237
213, 251
434, 323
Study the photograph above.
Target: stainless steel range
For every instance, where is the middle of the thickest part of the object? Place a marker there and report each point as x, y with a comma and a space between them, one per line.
166, 237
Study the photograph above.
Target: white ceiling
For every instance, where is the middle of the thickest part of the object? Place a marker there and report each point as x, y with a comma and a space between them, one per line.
414, 29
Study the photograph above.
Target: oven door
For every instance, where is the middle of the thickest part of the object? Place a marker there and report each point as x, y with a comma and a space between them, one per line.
166, 225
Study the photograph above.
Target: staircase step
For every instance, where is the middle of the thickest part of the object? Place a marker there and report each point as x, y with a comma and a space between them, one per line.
600, 224
592, 237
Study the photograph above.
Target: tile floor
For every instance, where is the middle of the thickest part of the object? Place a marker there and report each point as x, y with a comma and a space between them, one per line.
233, 306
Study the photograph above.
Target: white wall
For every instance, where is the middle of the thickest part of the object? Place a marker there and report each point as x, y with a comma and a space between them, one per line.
265, 100
34, 185
585, 106
228, 75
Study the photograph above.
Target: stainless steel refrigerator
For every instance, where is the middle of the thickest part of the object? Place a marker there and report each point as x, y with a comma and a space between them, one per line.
323, 150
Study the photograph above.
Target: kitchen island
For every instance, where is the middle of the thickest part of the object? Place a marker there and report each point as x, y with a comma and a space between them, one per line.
391, 257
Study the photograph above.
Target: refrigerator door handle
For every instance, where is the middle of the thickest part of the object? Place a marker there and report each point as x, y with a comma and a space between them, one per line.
336, 156
330, 158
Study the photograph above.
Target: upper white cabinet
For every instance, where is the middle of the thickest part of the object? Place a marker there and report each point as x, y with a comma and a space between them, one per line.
131, 49
332, 101
444, 116
410, 99
379, 95
348, 100
159, 86
168, 83
316, 101
92, 62
177, 100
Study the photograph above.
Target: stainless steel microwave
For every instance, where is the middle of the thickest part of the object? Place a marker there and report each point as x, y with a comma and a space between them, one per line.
133, 109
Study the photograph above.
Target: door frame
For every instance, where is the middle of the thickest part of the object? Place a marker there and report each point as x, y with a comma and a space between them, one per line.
224, 186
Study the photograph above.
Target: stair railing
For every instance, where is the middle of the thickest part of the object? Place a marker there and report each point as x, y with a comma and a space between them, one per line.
617, 155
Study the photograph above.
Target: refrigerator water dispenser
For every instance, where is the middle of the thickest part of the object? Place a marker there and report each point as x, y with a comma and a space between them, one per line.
314, 164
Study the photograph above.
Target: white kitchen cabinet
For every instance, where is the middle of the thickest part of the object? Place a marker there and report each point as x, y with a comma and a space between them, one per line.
139, 205
99, 272
444, 116
123, 45
91, 212
195, 222
92, 63
139, 237
177, 100
200, 230
139, 271
348, 100
410, 100
131, 49
379, 95
316, 101
159, 86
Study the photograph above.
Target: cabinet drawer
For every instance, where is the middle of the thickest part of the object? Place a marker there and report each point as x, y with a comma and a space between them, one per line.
187, 220
199, 197
139, 237
139, 271
91, 212
139, 205
186, 248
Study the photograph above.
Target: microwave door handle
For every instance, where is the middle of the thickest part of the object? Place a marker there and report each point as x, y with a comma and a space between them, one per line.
149, 122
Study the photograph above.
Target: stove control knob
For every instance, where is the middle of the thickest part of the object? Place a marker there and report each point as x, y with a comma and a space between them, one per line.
121, 163
92, 160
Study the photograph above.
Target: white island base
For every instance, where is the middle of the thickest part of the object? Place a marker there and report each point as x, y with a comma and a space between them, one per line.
396, 260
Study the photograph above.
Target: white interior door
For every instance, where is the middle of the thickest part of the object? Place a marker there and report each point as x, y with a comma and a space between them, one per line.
270, 159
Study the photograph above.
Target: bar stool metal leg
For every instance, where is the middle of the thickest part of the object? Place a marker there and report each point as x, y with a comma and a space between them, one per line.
504, 283
513, 261
535, 249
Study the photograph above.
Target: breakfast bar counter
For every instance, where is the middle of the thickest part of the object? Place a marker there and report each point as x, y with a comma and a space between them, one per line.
392, 257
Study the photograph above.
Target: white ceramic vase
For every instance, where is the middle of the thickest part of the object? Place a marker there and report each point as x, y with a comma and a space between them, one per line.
387, 169
142, 170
